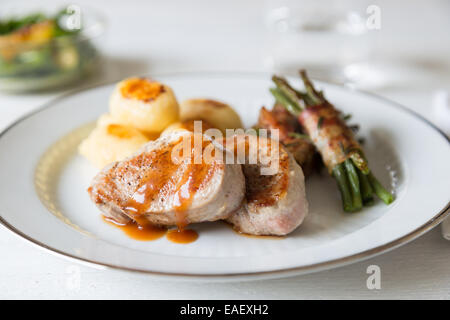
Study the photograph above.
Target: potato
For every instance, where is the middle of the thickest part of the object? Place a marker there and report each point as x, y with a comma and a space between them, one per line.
218, 114
187, 125
144, 104
174, 127
110, 142
106, 119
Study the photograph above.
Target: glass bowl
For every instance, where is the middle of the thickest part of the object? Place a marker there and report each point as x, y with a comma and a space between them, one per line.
41, 56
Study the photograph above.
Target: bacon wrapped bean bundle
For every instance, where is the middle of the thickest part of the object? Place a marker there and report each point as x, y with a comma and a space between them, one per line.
334, 140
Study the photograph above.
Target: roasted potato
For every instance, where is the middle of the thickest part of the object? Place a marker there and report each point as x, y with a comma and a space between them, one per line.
110, 142
187, 125
218, 114
144, 104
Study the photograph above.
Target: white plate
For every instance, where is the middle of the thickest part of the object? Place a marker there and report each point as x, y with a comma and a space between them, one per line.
43, 189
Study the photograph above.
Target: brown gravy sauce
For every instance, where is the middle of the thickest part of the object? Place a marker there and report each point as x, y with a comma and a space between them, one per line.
145, 231
182, 236
138, 231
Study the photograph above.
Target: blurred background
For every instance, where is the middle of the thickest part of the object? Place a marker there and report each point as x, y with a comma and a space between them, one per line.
399, 49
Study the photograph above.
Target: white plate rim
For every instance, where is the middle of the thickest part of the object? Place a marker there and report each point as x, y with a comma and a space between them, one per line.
363, 255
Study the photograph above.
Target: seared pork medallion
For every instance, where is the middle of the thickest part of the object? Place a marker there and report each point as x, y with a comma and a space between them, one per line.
275, 201
151, 186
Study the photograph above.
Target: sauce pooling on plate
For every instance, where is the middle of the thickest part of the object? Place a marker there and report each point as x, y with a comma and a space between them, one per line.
182, 236
145, 231
142, 231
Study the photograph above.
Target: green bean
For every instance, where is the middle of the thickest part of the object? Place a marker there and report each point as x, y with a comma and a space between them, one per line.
352, 176
285, 101
288, 91
316, 97
380, 191
342, 181
366, 189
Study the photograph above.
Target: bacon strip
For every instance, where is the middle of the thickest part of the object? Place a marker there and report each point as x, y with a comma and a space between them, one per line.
301, 148
334, 140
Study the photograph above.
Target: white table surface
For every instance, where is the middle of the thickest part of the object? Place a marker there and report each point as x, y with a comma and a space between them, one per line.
151, 37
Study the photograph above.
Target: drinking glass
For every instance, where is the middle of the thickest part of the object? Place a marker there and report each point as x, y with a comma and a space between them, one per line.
329, 38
